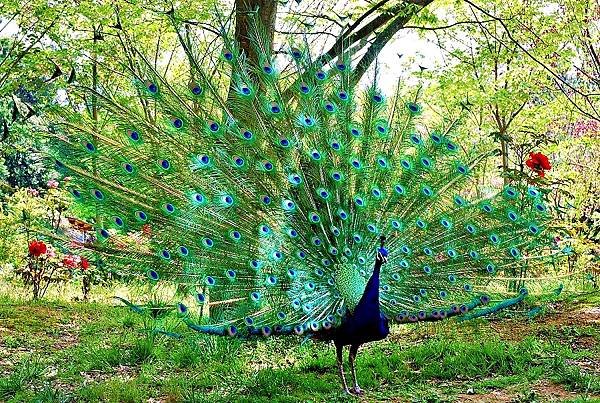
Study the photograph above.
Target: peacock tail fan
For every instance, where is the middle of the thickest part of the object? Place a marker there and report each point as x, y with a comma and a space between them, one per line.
253, 198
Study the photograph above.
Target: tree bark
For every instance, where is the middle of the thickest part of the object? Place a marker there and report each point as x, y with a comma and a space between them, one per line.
504, 147
266, 12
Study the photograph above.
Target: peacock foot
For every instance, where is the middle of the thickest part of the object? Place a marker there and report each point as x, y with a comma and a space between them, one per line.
357, 391
348, 392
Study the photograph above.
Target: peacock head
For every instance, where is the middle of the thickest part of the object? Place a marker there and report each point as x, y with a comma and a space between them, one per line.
382, 253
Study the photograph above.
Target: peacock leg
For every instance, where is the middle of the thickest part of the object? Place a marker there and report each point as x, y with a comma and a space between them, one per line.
339, 349
351, 358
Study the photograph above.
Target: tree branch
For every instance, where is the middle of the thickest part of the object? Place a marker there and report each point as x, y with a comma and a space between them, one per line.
446, 26
382, 39
558, 78
348, 37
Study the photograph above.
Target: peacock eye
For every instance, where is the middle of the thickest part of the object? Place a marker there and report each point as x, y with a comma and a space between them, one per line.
134, 135
196, 89
151, 87
177, 123
296, 54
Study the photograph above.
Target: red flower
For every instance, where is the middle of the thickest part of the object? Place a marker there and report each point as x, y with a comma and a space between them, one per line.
69, 261
539, 163
37, 248
84, 263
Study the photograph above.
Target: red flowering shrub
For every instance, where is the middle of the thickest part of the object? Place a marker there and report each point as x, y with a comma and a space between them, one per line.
69, 261
45, 266
37, 248
78, 268
538, 163
41, 268
38, 264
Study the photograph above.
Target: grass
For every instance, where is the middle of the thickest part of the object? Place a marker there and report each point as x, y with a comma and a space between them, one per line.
24, 373
75, 352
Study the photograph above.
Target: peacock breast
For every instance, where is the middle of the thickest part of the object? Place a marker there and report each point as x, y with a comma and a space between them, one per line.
350, 283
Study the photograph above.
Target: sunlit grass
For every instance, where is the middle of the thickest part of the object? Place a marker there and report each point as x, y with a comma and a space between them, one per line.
88, 352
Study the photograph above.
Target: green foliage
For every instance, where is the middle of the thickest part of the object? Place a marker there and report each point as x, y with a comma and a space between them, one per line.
24, 206
503, 67
509, 98
45, 45
498, 78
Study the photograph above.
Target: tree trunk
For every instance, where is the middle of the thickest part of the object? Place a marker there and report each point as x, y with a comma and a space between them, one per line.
36, 290
504, 147
266, 12
86, 286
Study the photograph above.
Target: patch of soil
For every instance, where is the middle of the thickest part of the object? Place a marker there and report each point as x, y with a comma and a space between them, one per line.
511, 329
584, 343
122, 372
542, 391
518, 329
496, 396
552, 392
68, 337
589, 365
6, 367
584, 316
9, 357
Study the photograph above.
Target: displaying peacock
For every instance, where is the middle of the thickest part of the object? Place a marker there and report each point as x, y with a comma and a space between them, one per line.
289, 201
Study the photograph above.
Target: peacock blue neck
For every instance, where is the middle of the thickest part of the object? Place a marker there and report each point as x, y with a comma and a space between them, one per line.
366, 323
370, 297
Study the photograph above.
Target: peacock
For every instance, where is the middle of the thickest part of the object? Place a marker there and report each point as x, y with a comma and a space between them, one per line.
277, 197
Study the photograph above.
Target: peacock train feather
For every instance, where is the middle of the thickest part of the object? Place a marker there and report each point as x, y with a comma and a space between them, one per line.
265, 197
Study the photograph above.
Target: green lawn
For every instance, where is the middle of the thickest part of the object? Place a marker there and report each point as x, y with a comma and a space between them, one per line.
58, 351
